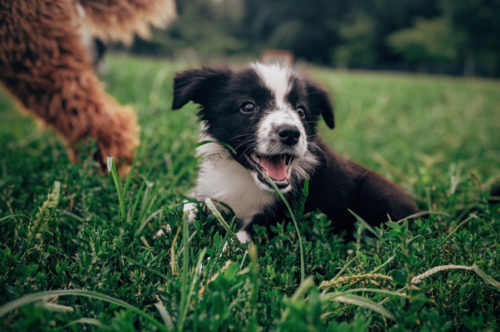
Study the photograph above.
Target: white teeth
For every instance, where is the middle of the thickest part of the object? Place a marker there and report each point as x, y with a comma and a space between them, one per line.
255, 158
278, 183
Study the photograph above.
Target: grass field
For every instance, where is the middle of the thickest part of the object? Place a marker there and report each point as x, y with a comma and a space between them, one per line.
62, 226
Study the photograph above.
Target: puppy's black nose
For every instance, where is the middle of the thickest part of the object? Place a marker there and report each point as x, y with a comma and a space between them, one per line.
288, 134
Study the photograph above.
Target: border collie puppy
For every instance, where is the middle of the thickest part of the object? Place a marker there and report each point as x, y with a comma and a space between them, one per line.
268, 115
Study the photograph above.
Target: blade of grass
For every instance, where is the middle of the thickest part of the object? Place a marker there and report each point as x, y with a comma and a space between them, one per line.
299, 292
154, 271
346, 265
12, 217
254, 277
351, 279
454, 230
486, 278
364, 303
131, 211
128, 180
116, 179
229, 147
34, 297
44, 214
185, 267
365, 224
84, 320
196, 273
55, 307
390, 259
219, 250
217, 214
165, 315
148, 219
331, 296
172, 250
301, 245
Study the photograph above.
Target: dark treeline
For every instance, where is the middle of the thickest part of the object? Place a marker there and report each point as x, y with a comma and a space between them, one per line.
441, 36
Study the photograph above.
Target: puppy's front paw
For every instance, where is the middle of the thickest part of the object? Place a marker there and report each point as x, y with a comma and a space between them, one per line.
243, 236
190, 210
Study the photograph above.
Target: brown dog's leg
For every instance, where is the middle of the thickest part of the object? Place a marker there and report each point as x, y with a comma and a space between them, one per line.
44, 65
121, 19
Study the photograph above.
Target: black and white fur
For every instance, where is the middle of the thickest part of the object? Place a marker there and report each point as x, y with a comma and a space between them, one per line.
268, 114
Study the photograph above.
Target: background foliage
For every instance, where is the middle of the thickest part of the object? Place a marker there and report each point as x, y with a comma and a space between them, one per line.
444, 36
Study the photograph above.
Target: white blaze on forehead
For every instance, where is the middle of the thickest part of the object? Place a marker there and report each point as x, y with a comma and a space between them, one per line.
277, 79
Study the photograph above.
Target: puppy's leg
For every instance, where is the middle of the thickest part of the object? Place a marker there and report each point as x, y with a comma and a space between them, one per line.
243, 236
379, 198
44, 65
190, 210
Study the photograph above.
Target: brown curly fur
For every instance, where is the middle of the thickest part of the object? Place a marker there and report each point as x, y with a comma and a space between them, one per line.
45, 66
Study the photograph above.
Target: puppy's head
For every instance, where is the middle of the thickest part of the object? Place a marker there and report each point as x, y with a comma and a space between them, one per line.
267, 113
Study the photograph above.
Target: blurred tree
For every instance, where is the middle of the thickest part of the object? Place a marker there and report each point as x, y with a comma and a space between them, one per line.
203, 27
391, 16
449, 36
479, 23
428, 41
357, 48
325, 31
308, 28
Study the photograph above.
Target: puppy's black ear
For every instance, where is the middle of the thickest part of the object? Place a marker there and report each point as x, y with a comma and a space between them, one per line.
320, 102
198, 85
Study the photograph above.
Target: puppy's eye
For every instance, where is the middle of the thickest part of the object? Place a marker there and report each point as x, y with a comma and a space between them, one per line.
301, 112
248, 108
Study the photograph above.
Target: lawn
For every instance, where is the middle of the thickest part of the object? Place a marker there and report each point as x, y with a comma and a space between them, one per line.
63, 228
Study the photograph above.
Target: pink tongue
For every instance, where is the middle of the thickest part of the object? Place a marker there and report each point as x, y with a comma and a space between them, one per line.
275, 168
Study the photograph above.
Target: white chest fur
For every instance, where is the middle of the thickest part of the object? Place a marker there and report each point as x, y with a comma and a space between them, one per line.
224, 179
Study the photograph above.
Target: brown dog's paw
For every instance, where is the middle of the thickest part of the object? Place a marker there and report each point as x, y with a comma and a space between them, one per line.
118, 139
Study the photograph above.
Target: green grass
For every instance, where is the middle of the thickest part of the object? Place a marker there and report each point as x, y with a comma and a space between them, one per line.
68, 230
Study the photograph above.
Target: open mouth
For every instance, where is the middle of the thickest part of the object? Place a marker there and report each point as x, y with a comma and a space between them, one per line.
277, 167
